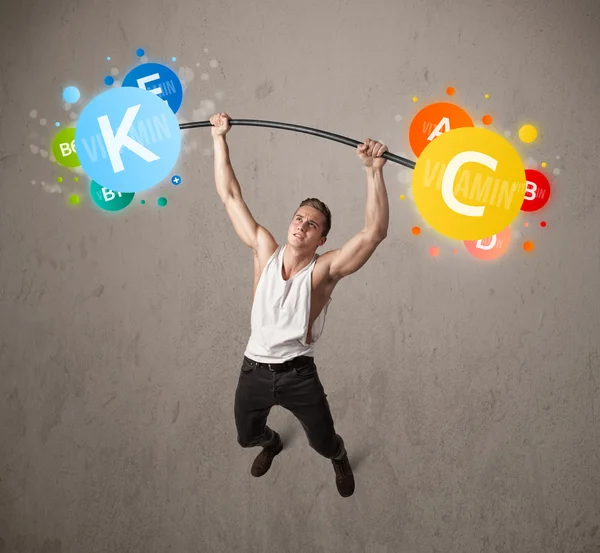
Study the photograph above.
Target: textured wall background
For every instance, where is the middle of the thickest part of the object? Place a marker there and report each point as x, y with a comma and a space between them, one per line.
467, 392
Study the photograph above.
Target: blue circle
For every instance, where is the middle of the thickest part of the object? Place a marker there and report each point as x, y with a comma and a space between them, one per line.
57, 124
155, 76
139, 52
108, 80
176, 180
128, 139
173, 58
71, 94
107, 58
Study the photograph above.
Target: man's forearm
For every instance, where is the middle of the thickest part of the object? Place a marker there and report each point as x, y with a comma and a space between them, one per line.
377, 212
225, 179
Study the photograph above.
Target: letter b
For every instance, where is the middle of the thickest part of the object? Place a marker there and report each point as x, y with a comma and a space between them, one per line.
109, 194
531, 189
66, 149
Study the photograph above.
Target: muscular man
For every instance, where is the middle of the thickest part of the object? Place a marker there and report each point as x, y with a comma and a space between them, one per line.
291, 294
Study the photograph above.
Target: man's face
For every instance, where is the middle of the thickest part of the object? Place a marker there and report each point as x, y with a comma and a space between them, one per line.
305, 230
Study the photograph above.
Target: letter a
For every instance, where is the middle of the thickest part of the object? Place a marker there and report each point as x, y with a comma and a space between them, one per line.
114, 142
444, 123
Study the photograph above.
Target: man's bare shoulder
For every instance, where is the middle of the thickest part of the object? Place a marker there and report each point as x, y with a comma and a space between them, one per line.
266, 248
323, 265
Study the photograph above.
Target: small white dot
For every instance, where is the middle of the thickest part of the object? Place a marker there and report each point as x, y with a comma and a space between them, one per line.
114, 71
507, 133
556, 171
144, 59
34, 149
530, 162
43, 153
52, 158
398, 118
213, 63
218, 95
557, 157
73, 115
43, 183
205, 49
33, 113
66, 106
43, 122
116, 83
197, 64
204, 76
404, 177
32, 182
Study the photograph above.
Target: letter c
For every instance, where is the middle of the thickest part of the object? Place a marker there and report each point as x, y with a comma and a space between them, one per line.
450, 175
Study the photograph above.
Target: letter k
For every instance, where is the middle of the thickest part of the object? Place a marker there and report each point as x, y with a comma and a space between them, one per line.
114, 142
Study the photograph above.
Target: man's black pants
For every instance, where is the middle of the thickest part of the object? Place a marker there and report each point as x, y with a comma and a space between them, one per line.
294, 385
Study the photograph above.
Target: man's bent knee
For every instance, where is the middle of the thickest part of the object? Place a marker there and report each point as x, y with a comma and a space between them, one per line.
246, 442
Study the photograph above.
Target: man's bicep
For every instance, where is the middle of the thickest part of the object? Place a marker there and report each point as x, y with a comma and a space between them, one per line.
353, 255
244, 223
250, 232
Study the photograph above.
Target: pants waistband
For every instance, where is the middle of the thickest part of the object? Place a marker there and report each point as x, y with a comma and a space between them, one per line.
285, 366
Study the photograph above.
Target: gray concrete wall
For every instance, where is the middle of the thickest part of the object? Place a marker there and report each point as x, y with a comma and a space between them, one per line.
467, 392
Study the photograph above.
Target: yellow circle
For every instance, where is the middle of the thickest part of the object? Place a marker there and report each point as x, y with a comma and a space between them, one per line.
544, 164
469, 183
415, 98
487, 96
527, 133
401, 196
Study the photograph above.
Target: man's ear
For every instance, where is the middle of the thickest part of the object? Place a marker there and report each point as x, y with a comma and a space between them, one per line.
323, 240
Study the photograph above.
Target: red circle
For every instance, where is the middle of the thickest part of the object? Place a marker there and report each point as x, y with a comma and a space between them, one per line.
537, 193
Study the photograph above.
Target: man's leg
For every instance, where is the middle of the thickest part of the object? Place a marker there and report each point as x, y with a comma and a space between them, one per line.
302, 393
253, 401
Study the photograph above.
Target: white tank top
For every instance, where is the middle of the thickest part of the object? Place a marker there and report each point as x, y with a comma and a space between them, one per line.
280, 314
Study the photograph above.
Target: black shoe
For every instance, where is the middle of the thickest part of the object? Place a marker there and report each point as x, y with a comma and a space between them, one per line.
344, 479
263, 460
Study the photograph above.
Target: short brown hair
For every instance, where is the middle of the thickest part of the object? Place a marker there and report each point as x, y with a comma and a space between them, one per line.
319, 205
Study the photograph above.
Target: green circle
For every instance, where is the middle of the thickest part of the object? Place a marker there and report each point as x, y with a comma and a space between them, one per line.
109, 200
59, 179
63, 148
142, 201
74, 199
162, 201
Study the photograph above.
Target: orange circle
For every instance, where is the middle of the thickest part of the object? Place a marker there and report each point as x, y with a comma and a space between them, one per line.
489, 248
486, 119
442, 116
434, 251
528, 246
450, 91
416, 230
454, 251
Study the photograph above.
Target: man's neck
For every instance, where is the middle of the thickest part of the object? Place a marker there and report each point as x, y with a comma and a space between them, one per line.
295, 260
